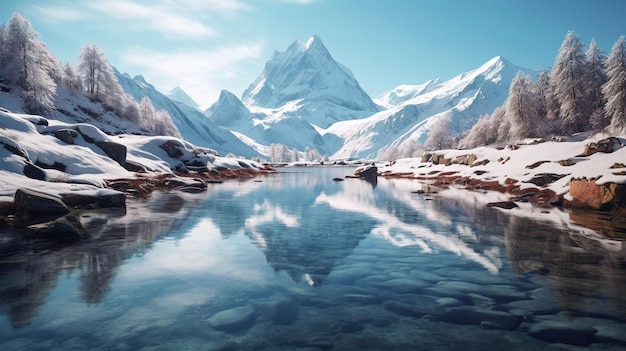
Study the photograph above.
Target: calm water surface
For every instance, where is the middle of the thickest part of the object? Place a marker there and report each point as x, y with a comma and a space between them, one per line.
297, 261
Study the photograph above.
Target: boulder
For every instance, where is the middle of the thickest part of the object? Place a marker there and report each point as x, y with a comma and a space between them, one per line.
564, 333
94, 200
172, 149
31, 204
66, 135
588, 193
607, 145
543, 179
34, 172
367, 172
116, 151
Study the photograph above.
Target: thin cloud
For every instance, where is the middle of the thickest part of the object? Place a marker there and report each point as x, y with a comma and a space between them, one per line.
160, 17
201, 73
184, 19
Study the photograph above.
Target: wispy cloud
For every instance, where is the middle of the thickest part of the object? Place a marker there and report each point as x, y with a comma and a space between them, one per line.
184, 19
201, 73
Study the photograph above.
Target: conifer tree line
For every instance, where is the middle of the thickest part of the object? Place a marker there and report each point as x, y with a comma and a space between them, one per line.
584, 91
29, 68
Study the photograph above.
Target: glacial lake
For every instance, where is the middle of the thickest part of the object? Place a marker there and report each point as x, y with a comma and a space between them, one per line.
298, 261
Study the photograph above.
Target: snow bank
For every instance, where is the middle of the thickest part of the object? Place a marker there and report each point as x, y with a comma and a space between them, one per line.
522, 163
57, 157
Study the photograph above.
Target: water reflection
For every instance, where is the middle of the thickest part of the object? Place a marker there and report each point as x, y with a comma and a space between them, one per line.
29, 270
306, 226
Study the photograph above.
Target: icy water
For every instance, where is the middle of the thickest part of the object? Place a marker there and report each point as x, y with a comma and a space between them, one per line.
297, 261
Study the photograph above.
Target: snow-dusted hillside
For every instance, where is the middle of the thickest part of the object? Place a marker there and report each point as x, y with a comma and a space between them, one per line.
192, 124
415, 110
55, 157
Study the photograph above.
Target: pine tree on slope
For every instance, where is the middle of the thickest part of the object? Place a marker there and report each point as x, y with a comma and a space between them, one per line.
615, 88
596, 78
98, 76
567, 81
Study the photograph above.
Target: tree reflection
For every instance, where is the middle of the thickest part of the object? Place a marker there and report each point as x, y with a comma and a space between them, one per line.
29, 270
583, 268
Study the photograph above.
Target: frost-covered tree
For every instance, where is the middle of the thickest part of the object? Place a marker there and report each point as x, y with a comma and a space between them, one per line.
484, 132
522, 108
71, 79
567, 81
311, 155
295, 157
26, 63
614, 89
439, 136
98, 77
595, 80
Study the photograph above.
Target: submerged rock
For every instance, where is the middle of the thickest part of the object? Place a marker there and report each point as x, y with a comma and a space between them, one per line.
480, 316
565, 333
234, 319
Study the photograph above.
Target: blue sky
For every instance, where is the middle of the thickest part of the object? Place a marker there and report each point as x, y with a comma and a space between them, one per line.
205, 46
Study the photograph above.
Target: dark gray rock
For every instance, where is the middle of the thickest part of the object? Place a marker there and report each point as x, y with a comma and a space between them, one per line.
419, 306
477, 316
172, 149
564, 333
30, 204
66, 135
34, 172
95, 200
116, 151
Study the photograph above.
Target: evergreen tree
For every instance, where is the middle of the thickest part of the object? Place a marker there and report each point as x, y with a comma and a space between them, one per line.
596, 79
614, 89
521, 108
568, 86
26, 63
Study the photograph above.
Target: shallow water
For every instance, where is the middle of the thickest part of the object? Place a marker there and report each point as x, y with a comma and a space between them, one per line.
297, 261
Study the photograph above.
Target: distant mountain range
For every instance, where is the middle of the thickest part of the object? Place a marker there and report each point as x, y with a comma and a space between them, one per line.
304, 98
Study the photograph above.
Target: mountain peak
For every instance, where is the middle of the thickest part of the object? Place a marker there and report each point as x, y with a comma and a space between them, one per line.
179, 95
307, 72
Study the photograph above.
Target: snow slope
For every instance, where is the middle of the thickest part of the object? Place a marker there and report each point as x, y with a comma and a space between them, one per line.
194, 126
414, 110
30, 141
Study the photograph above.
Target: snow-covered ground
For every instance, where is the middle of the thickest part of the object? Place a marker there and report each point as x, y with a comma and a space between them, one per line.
64, 157
513, 163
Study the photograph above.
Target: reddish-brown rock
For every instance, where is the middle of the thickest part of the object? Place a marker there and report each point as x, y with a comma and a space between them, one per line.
587, 193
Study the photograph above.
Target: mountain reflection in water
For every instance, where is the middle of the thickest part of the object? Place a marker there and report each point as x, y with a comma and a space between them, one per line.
306, 226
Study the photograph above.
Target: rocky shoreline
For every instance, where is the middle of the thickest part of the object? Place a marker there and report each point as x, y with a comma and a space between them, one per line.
544, 182
41, 214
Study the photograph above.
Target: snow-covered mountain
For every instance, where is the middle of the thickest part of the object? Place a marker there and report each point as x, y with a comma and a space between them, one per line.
306, 72
192, 124
179, 95
300, 91
413, 111
303, 98
403, 93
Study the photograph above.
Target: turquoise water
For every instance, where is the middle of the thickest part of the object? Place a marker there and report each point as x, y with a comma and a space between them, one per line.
297, 261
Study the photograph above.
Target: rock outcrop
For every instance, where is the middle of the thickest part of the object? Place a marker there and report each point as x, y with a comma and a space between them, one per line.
587, 193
